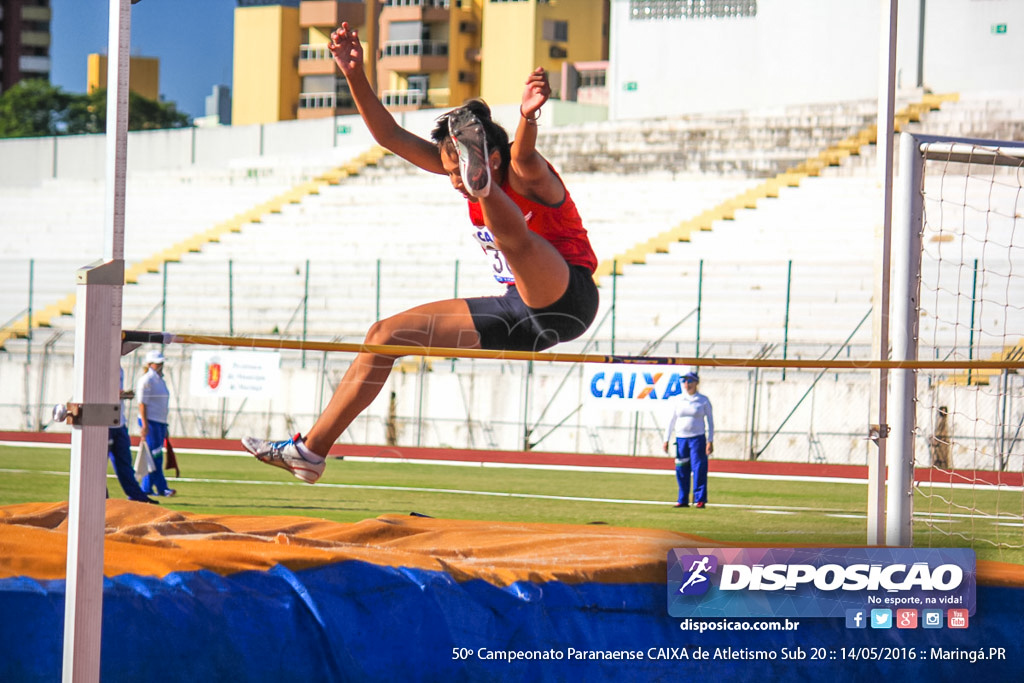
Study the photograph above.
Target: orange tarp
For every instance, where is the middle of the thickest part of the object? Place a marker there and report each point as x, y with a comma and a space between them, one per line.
147, 540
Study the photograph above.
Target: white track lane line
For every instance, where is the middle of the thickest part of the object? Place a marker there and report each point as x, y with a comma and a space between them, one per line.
763, 509
417, 489
580, 468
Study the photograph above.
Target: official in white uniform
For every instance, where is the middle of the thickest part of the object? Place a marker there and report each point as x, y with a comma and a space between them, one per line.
693, 428
154, 409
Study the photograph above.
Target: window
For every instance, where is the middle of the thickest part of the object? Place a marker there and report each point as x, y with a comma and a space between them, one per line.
653, 10
406, 30
420, 82
592, 79
444, 4
262, 3
554, 30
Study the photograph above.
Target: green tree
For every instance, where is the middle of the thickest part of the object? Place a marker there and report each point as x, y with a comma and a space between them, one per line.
143, 114
36, 108
33, 108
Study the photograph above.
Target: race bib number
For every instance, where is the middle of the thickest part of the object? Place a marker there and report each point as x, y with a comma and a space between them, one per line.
499, 265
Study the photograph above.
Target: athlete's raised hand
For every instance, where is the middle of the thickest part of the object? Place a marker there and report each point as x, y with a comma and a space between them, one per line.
536, 93
346, 48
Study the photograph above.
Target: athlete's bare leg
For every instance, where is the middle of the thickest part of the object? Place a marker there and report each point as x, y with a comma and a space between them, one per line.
441, 323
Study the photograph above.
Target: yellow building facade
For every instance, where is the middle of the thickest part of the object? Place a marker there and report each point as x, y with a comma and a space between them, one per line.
143, 75
519, 36
265, 80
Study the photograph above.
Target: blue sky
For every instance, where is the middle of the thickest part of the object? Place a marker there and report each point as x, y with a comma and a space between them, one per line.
191, 38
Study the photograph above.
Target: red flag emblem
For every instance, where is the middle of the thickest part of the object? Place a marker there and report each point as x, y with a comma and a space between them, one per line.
213, 375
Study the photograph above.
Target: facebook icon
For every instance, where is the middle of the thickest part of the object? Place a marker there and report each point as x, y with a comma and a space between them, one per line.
856, 618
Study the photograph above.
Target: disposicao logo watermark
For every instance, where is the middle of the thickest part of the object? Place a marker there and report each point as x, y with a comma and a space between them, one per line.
850, 583
696, 580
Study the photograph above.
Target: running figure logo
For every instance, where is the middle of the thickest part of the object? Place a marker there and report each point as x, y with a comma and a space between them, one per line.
696, 580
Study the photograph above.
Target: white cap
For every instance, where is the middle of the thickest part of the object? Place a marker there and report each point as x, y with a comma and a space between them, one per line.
154, 357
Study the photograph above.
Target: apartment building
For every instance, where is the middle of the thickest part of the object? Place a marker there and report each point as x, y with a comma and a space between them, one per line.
24, 41
430, 53
323, 90
418, 53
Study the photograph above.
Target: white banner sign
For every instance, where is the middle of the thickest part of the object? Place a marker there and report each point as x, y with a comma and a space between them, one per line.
632, 387
226, 374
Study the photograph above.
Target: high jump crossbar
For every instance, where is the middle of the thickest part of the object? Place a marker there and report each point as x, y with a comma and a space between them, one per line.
142, 337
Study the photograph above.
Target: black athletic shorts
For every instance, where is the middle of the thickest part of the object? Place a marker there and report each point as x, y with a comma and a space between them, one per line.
506, 323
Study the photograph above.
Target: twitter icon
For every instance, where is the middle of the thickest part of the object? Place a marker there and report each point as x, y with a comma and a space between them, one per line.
881, 618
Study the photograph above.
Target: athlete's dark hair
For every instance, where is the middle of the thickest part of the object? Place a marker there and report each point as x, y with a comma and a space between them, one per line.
497, 137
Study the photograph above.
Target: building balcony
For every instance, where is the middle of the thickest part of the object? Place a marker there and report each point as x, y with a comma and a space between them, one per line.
330, 13
584, 82
35, 39
316, 105
315, 60
403, 99
415, 10
414, 48
36, 13
443, 4
414, 55
32, 64
406, 100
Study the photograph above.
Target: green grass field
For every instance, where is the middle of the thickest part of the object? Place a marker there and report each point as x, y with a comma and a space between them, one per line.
774, 512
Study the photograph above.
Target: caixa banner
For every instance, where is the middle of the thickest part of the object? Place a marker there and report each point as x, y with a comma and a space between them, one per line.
817, 582
632, 387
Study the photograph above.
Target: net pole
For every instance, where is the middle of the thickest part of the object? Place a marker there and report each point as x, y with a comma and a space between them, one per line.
888, 10
97, 353
906, 303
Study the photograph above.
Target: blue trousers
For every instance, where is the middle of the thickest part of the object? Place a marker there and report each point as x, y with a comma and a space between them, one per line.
692, 460
155, 482
119, 450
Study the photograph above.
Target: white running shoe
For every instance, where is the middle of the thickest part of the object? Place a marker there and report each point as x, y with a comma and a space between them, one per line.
471, 143
287, 455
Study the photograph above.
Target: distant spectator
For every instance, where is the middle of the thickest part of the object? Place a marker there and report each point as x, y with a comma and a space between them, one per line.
154, 410
693, 428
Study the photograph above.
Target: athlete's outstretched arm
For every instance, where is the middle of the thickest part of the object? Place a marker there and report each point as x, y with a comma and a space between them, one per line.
348, 55
531, 175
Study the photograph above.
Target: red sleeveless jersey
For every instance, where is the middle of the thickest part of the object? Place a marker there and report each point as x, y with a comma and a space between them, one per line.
560, 225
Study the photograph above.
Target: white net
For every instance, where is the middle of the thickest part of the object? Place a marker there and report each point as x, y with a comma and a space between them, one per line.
970, 436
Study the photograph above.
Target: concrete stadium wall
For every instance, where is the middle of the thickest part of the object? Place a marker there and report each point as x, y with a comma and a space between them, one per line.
155, 150
965, 49
310, 143
488, 405
792, 52
806, 51
491, 405
27, 161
